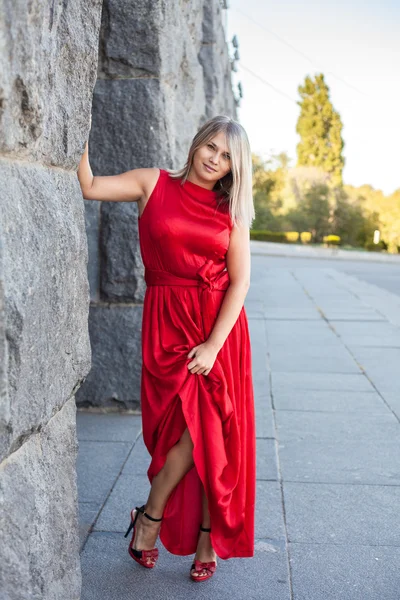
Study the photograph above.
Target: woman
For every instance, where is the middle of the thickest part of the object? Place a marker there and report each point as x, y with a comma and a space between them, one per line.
196, 387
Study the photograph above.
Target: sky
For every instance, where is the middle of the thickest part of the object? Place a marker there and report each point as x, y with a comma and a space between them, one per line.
357, 47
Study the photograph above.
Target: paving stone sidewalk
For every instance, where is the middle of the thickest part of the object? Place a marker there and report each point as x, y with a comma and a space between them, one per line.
306, 251
326, 363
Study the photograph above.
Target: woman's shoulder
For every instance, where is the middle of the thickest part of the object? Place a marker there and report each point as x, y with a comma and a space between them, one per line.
168, 178
155, 178
155, 173
168, 174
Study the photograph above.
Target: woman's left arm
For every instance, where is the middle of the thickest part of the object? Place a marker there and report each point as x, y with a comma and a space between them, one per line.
238, 265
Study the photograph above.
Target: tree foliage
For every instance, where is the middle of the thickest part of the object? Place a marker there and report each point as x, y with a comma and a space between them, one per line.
268, 182
311, 197
320, 129
301, 199
313, 212
352, 221
383, 210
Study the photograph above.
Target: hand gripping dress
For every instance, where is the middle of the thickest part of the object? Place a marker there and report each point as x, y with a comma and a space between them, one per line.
184, 236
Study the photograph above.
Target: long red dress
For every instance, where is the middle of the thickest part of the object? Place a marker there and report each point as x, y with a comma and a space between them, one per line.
184, 236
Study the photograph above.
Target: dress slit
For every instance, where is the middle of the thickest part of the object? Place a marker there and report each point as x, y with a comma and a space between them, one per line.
183, 512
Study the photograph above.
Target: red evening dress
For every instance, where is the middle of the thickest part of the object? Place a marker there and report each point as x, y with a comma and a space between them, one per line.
184, 236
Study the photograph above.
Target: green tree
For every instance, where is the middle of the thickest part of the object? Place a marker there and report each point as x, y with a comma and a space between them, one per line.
320, 129
390, 221
268, 183
313, 213
351, 221
383, 211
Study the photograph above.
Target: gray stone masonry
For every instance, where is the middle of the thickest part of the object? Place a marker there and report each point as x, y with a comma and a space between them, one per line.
164, 68
47, 75
326, 355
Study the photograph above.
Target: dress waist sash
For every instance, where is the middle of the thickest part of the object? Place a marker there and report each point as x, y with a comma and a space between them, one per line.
204, 280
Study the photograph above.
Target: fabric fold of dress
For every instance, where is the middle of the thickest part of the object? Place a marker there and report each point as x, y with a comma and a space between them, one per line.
184, 236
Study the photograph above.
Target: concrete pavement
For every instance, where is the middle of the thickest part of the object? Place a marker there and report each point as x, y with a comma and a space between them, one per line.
305, 251
326, 358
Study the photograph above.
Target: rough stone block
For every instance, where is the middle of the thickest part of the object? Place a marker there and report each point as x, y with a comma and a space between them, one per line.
48, 69
129, 39
47, 74
149, 52
119, 141
128, 127
122, 268
4, 398
114, 380
46, 293
214, 58
38, 514
92, 222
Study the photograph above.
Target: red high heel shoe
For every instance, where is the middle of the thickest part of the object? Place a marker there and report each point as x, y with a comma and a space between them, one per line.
141, 556
198, 566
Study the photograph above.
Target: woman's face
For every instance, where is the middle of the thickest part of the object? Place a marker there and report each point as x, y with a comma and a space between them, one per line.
212, 161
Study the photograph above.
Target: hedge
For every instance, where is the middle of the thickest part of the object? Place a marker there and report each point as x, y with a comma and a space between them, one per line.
306, 236
372, 247
331, 240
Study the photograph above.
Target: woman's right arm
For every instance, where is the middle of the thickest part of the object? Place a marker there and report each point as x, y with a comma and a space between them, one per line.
130, 186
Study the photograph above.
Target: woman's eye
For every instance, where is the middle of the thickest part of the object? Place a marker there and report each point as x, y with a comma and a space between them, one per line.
227, 157
210, 146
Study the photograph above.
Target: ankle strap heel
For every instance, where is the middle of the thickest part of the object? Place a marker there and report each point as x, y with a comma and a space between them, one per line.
146, 558
200, 571
141, 509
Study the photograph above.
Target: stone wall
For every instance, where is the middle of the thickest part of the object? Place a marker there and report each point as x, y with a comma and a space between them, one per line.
47, 75
164, 68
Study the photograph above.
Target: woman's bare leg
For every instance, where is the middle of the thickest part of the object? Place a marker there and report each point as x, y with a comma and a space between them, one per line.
205, 551
178, 462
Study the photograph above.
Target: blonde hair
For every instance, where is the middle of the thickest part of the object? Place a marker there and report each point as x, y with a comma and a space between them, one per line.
235, 189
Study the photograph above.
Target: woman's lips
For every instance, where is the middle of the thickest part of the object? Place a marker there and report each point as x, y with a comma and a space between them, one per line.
210, 169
